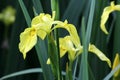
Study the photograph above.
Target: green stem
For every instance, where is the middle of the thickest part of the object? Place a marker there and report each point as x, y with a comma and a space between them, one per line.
52, 52
70, 70
55, 7
6, 32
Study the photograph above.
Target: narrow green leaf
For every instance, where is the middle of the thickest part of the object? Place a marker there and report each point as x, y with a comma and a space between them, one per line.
55, 7
42, 56
23, 72
37, 6
74, 10
81, 75
84, 62
53, 57
27, 17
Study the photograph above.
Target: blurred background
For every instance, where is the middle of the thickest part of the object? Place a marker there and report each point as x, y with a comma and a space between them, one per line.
11, 60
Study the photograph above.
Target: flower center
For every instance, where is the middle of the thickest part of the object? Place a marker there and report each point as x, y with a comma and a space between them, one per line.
33, 32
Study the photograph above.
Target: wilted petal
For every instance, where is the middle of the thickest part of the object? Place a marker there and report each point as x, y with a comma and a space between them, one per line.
106, 13
100, 54
115, 64
72, 31
104, 19
28, 39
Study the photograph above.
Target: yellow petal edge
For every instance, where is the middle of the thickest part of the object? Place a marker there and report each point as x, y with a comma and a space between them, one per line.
96, 51
105, 15
115, 64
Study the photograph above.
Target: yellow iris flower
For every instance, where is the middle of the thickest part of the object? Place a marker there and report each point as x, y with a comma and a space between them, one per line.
105, 15
41, 26
67, 45
72, 45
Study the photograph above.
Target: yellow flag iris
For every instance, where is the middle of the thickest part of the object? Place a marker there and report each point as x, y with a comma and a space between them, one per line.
40, 26
105, 15
67, 45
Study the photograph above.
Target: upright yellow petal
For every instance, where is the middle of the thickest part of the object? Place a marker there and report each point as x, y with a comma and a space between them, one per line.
45, 19
115, 64
66, 45
62, 46
37, 20
105, 15
100, 54
43, 24
28, 39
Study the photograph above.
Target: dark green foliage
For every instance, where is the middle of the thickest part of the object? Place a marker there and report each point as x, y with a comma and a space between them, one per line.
11, 60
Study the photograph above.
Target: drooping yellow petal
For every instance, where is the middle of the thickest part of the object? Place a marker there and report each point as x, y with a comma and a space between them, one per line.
104, 19
100, 54
28, 39
72, 31
115, 64
105, 15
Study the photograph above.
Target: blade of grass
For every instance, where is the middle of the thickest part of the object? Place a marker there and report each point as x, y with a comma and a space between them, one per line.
72, 13
112, 73
37, 6
116, 39
55, 7
27, 17
23, 72
75, 69
82, 59
84, 63
40, 48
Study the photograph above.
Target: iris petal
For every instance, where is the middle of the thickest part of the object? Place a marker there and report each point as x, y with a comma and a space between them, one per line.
115, 64
105, 15
28, 39
96, 51
72, 31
